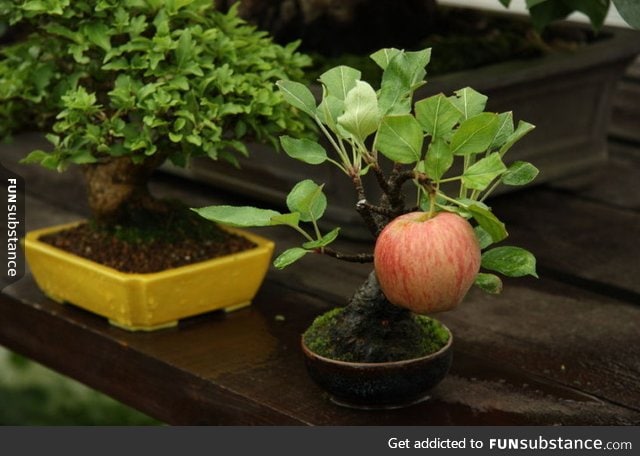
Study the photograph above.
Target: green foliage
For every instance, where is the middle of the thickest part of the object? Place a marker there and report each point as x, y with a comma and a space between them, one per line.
490, 283
400, 139
544, 12
510, 261
32, 395
308, 200
630, 11
289, 256
305, 150
363, 125
142, 77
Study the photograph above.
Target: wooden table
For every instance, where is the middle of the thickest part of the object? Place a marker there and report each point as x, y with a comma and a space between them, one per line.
563, 349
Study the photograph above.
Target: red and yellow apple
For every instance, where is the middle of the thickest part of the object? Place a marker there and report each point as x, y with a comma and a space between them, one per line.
427, 264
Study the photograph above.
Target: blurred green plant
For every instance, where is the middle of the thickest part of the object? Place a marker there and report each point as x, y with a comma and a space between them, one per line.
32, 395
121, 86
544, 12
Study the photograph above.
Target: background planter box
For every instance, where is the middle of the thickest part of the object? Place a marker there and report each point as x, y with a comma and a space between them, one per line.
568, 97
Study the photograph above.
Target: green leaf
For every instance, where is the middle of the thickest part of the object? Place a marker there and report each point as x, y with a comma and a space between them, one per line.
630, 11
340, 80
439, 159
384, 56
475, 134
292, 219
484, 238
543, 12
184, 49
522, 129
413, 65
489, 282
510, 261
505, 130
437, 115
361, 115
35, 157
400, 139
83, 157
308, 199
520, 173
595, 10
489, 222
479, 175
98, 34
469, 102
241, 216
323, 241
305, 150
289, 256
403, 74
36, 6
329, 109
298, 96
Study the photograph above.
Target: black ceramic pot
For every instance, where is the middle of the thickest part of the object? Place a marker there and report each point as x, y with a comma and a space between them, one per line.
379, 385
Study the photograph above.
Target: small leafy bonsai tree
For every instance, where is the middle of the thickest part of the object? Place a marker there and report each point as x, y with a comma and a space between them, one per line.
123, 86
427, 253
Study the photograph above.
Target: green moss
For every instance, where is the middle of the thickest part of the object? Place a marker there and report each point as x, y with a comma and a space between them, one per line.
436, 336
318, 336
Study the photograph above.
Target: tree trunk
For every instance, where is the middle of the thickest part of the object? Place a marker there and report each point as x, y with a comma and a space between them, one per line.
371, 329
116, 186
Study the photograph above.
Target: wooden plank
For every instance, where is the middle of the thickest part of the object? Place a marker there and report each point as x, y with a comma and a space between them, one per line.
334, 281
86, 348
583, 242
615, 185
561, 333
246, 368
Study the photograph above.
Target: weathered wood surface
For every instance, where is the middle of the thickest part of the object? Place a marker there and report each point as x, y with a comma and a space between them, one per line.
559, 350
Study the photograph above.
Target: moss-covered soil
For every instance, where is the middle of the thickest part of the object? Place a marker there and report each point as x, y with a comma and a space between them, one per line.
419, 337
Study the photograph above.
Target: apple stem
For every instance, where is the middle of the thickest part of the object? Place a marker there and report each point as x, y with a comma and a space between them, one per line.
432, 204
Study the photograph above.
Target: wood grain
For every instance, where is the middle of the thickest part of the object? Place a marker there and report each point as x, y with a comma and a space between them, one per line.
559, 350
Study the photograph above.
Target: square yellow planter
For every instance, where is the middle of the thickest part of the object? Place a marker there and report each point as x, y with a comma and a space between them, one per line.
148, 301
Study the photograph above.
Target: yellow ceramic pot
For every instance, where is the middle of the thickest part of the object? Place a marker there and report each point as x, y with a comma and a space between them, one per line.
148, 301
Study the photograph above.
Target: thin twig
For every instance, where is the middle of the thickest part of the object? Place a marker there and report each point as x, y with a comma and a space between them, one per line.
363, 210
380, 177
350, 257
375, 209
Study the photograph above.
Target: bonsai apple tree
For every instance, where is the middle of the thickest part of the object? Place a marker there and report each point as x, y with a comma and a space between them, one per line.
433, 228
122, 86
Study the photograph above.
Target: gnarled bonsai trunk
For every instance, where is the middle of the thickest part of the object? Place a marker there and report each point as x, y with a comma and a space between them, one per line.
117, 185
371, 329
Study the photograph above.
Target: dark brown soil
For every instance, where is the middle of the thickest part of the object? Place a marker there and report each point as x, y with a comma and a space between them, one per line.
136, 254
